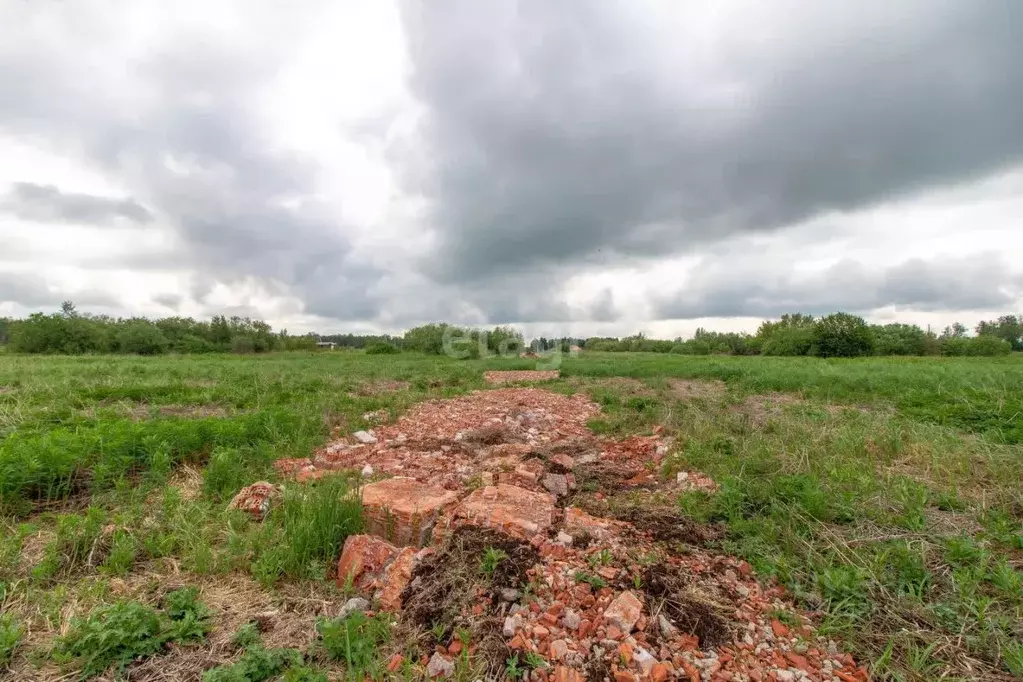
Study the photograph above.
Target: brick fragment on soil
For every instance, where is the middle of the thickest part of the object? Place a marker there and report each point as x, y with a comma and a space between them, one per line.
578, 522
377, 567
624, 611
515, 511
255, 499
403, 510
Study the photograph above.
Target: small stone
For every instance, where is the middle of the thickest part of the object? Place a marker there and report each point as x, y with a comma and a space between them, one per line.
784, 675
364, 437
510, 594
742, 590
439, 666
682, 477
395, 663
353, 605
644, 659
511, 625
367, 471
556, 484
571, 619
564, 538
659, 672
668, 631
455, 647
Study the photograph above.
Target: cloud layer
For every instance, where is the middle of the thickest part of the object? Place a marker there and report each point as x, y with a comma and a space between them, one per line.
378, 165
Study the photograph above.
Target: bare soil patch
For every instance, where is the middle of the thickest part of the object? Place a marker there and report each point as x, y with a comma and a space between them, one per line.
627, 385
697, 389
760, 409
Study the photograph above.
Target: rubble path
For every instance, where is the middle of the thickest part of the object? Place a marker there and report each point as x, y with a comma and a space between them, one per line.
607, 599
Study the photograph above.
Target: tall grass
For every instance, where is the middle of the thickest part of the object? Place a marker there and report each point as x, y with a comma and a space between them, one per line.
317, 519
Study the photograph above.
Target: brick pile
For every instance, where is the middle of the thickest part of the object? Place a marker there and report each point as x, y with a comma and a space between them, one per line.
607, 600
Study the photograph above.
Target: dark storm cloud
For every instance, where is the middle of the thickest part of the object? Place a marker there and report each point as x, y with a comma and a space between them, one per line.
192, 151
553, 130
980, 282
46, 203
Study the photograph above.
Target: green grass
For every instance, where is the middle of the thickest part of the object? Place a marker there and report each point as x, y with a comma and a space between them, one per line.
883, 493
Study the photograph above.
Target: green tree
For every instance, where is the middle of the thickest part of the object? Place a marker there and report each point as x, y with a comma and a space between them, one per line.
1007, 327
841, 335
899, 339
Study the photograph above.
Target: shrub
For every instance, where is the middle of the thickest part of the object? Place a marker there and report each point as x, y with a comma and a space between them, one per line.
140, 337
381, 348
841, 335
899, 339
789, 341
426, 339
984, 345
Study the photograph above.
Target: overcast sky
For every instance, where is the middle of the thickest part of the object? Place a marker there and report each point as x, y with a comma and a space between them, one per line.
598, 167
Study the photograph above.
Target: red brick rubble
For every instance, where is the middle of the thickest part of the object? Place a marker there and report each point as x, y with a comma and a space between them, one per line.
505, 459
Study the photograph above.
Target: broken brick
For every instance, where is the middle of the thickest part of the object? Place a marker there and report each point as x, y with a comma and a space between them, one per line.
624, 611
255, 499
509, 509
403, 510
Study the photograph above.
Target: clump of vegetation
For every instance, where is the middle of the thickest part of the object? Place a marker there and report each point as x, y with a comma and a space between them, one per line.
354, 640
592, 579
256, 664
492, 558
381, 348
10, 635
119, 633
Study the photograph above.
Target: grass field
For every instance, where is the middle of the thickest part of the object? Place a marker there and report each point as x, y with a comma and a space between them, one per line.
884, 493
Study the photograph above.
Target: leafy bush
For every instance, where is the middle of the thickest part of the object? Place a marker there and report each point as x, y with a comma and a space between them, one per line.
115, 634
140, 337
426, 339
257, 664
976, 346
189, 618
841, 335
381, 348
789, 341
899, 339
118, 633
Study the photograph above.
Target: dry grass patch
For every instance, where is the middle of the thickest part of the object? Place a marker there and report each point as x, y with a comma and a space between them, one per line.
697, 389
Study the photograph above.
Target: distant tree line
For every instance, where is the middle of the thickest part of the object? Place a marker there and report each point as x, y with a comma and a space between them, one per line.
835, 335
72, 333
